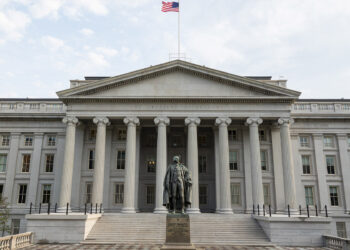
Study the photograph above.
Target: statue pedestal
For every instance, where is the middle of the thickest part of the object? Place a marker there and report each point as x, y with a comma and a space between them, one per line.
178, 235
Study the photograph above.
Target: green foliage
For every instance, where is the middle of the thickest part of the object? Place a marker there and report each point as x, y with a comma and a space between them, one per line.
4, 216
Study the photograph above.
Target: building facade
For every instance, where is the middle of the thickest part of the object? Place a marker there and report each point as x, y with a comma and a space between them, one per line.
247, 141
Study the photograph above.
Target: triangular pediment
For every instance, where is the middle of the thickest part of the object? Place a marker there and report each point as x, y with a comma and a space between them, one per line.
177, 79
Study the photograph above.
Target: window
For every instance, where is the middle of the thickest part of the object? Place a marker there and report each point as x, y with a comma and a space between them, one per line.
91, 158
233, 158
25, 163
121, 135
151, 165
263, 158
119, 193
202, 164
328, 141
202, 140
232, 135
22, 194
306, 164
46, 193
333, 193
203, 194
235, 194
1, 190
92, 134
177, 141
341, 229
150, 194
5, 140
309, 195
262, 135
267, 194
121, 159
51, 141
28, 141
15, 226
304, 141
88, 192
330, 161
49, 163
3, 161
151, 140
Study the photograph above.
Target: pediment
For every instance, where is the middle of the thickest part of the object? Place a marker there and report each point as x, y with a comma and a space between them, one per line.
176, 79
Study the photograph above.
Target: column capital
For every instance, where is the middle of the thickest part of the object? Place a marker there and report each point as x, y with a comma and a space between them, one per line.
254, 121
70, 120
162, 120
101, 120
285, 121
223, 121
132, 120
192, 120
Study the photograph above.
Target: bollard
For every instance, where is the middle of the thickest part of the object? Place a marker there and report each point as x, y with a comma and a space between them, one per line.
326, 210
30, 208
308, 211
264, 209
85, 208
299, 209
67, 208
270, 210
96, 209
316, 210
258, 210
288, 210
101, 208
253, 209
48, 208
90, 208
39, 208
55, 207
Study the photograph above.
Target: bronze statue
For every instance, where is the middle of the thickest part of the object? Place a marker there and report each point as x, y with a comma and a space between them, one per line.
177, 194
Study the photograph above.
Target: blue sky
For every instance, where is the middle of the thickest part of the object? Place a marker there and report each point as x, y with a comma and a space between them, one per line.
45, 43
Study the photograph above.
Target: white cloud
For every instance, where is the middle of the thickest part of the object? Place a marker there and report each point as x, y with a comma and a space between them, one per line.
45, 8
13, 24
107, 51
52, 43
86, 32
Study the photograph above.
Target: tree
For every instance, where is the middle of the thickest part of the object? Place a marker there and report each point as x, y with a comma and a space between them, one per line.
4, 216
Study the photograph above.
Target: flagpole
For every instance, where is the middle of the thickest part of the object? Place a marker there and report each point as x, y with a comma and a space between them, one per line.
178, 45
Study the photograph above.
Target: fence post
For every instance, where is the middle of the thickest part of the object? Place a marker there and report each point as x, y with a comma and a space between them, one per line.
258, 210
55, 207
85, 208
264, 209
288, 210
299, 209
30, 208
90, 208
253, 209
96, 208
48, 208
326, 210
308, 211
39, 208
101, 208
316, 210
67, 208
270, 210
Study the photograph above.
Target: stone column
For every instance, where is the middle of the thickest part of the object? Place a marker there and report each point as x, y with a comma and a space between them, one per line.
100, 154
192, 160
288, 166
130, 160
161, 122
67, 172
344, 165
258, 194
225, 180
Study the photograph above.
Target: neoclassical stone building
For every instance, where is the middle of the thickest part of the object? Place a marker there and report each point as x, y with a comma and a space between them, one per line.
247, 141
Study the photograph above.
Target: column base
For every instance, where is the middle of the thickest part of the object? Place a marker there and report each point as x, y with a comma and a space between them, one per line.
160, 210
193, 210
128, 210
225, 211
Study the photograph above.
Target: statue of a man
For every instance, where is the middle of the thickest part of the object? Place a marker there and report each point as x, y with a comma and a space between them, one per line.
177, 187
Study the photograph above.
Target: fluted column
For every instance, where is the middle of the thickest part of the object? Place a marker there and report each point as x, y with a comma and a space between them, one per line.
161, 163
225, 192
130, 162
288, 166
99, 166
192, 160
68, 162
257, 186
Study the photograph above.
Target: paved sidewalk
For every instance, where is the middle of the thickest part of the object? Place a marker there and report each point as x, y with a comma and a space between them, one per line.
153, 247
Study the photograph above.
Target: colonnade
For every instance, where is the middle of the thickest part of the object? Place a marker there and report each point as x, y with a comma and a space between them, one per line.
222, 172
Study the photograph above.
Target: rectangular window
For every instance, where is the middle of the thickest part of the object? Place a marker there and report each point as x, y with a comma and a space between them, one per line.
121, 135
203, 194
235, 194
119, 193
49, 163
330, 161
341, 229
26, 163
151, 140
202, 164
28, 141
304, 141
177, 141
334, 196
91, 158
233, 158
232, 135
88, 192
46, 193
309, 195
150, 194
262, 135
1, 190
121, 159
263, 159
151, 165
306, 164
22, 194
15, 226
202, 140
3, 162
328, 141
5, 140
267, 194
51, 141
92, 134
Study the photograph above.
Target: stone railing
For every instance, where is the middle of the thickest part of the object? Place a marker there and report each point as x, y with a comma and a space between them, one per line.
321, 107
32, 106
16, 241
334, 242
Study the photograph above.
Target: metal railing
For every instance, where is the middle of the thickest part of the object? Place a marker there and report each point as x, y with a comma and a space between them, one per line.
16, 241
335, 242
48, 209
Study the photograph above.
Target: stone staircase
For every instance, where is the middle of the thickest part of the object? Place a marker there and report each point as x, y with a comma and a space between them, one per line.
222, 229
148, 228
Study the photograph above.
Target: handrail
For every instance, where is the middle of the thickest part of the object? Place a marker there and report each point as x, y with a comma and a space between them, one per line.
335, 242
16, 241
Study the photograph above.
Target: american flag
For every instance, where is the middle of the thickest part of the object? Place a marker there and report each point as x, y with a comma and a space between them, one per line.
170, 6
